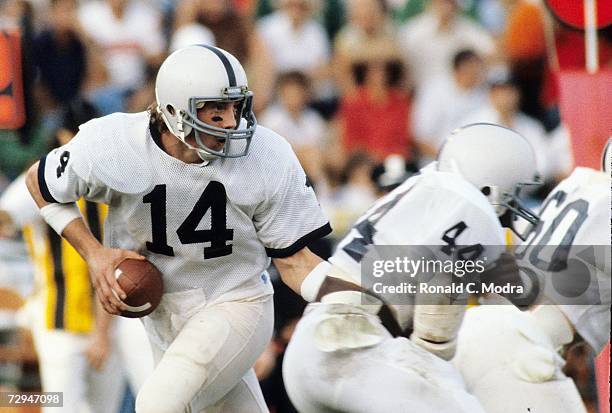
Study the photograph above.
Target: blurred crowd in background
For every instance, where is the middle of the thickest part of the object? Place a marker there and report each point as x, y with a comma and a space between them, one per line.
353, 85
347, 82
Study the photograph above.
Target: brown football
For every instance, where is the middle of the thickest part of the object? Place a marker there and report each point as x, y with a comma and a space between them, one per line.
142, 283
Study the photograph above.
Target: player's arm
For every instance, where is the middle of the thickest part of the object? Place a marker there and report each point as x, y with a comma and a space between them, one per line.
66, 220
295, 268
17, 208
99, 346
309, 275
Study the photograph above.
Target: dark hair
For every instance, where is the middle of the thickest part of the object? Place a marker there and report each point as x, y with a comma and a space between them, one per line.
293, 76
77, 112
354, 162
463, 56
74, 114
379, 171
394, 70
156, 122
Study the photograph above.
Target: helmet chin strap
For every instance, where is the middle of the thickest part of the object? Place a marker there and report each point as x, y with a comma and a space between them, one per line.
205, 156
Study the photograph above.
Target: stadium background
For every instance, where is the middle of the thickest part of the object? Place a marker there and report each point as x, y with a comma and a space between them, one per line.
347, 82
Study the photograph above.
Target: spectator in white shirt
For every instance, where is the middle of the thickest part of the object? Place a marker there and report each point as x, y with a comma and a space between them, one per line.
303, 127
431, 39
295, 40
129, 34
187, 29
442, 105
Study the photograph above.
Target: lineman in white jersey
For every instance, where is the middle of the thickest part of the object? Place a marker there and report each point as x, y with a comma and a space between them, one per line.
524, 371
208, 197
340, 357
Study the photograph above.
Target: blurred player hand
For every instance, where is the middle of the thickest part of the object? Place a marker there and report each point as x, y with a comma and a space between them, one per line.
102, 264
266, 362
98, 350
7, 229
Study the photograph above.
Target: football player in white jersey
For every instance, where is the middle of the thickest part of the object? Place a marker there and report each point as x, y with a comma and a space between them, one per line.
340, 357
201, 191
509, 358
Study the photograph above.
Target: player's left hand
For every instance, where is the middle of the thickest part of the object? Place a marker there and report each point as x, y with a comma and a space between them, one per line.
98, 350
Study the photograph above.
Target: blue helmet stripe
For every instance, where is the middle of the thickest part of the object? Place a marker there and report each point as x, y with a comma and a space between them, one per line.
231, 76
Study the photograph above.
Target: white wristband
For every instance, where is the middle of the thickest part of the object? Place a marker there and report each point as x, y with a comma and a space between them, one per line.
58, 216
437, 323
312, 283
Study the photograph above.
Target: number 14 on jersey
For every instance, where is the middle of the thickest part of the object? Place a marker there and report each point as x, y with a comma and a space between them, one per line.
214, 198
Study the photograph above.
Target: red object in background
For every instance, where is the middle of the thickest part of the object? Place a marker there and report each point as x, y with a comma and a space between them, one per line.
584, 103
584, 100
380, 128
602, 376
12, 111
244, 7
571, 12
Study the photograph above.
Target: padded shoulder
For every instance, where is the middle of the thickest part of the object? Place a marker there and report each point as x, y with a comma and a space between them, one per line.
115, 151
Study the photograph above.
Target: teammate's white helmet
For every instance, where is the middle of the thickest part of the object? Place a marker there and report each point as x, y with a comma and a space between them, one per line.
606, 157
497, 160
196, 74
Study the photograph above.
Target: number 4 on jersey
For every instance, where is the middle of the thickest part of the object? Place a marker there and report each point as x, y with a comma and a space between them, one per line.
214, 198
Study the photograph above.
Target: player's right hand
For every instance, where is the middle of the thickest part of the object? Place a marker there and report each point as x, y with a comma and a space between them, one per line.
102, 264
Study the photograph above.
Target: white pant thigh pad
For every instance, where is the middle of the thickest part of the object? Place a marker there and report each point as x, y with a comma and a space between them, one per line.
393, 375
213, 350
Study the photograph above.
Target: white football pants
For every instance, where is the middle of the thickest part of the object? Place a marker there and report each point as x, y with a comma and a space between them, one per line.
204, 355
64, 368
134, 351
340, 358
509, 364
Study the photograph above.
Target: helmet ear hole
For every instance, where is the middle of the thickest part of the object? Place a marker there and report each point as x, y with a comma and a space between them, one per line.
170, 109
486, 190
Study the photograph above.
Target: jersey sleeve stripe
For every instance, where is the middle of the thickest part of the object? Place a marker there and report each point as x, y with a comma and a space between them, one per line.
300, 243
42, 183
93, 219
55, 242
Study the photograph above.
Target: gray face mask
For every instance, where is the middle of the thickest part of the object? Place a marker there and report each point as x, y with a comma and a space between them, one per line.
511, 209
236, 141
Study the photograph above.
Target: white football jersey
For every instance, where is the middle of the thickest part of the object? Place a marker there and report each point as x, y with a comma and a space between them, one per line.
575, 217
204, 226
431, 208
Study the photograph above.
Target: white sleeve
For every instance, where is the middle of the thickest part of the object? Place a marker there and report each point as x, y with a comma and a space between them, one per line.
18, 203
592, 321
65, 175
291, 218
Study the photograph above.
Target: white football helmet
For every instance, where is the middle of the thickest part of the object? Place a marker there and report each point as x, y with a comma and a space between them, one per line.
498, 161
606, 157
196, 74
